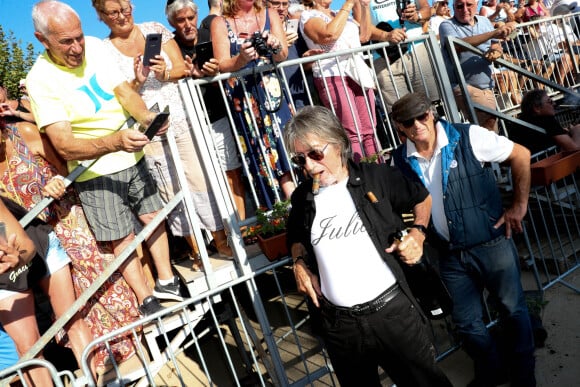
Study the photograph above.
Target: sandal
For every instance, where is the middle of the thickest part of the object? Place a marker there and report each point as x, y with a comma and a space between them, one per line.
197, 264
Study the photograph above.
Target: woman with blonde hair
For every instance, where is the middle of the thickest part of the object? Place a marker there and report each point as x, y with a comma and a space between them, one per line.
249, 35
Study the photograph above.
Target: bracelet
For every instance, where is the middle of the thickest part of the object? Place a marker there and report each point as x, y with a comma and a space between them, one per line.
167, 75
345, 10
420, 227
300, 257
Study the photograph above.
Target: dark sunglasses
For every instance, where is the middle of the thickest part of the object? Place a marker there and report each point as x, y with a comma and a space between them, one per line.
410, 122
315, 154
462, 6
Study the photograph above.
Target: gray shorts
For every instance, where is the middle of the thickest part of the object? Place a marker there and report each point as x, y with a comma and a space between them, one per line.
111, 201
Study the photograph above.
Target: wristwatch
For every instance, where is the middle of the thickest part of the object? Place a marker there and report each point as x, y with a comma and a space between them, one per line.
300, 257
419, 227
419, 16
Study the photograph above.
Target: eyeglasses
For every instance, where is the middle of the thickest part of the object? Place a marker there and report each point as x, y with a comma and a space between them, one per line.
315, 154
411, 122
114, 15
278, 4
466, 5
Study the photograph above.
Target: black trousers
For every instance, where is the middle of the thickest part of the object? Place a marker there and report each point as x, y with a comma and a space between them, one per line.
395, 338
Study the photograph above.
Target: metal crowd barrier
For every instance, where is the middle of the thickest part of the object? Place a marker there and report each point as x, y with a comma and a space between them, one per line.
262, 337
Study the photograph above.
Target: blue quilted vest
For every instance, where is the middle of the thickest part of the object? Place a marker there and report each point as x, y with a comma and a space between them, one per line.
471, 198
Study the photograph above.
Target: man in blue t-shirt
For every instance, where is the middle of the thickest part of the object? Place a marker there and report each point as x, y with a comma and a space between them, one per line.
479, 32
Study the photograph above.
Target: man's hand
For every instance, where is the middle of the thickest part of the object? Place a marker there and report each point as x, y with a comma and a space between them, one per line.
512, 217
306, 282
210, 68
130, 140
519, 160
396, 36
410, 247
505, 30
410, 13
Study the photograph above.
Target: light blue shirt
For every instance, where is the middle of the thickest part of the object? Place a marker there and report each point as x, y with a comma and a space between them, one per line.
476, 70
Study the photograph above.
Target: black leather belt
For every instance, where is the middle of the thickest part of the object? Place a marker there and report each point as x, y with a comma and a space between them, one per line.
368, 307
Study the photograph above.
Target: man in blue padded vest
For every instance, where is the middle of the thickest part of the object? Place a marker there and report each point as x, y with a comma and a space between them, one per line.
472, 230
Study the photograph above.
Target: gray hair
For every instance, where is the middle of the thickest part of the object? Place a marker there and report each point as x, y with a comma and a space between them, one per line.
177, 6
320, 122
47, 10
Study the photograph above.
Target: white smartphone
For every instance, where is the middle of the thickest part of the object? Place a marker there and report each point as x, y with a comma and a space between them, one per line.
292, 25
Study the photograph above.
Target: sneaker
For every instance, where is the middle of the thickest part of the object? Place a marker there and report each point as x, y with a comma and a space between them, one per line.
171, 291
150, 306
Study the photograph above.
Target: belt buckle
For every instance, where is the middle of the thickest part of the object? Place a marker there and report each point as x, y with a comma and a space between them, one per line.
360, 309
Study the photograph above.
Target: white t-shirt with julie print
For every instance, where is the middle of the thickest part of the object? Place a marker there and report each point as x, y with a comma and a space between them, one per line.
351, 269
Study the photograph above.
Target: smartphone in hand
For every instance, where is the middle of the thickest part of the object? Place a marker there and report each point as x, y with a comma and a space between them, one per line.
292, 25
203, 53
152, 48
156, 124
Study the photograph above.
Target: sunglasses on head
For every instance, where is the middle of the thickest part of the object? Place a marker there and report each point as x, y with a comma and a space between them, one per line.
315, 154
410, 122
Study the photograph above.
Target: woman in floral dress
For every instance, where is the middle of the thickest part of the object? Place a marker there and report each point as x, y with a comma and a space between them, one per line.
27, 172
256, 96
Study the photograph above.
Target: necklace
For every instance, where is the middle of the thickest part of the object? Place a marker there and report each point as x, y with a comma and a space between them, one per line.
246, 25
9, 190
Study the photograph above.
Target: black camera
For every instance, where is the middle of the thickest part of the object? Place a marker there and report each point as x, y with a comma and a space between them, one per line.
259, 44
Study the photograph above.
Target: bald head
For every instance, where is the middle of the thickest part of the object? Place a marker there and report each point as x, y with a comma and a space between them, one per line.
58, 27
48, 12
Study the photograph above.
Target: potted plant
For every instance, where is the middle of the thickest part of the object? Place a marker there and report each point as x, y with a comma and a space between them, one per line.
270, 230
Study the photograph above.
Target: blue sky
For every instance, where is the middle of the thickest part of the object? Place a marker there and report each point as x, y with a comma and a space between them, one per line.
15, 17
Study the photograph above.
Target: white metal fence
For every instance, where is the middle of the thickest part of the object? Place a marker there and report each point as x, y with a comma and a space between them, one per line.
244, 322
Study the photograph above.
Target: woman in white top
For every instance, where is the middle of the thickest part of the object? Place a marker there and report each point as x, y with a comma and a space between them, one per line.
157, 84
442, 13
497, 12
353, 100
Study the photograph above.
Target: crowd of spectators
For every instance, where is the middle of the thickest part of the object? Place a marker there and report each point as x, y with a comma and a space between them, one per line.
53, 131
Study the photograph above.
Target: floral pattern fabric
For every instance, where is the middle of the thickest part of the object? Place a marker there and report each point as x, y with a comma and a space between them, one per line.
261, 141
114, 304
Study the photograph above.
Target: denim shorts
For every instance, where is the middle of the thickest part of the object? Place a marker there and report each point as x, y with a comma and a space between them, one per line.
56, 259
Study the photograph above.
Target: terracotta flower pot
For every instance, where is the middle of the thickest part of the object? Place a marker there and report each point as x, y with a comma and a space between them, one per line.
274, 247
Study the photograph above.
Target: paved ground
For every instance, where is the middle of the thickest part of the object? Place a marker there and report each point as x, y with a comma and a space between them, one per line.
557, 364
557, 361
